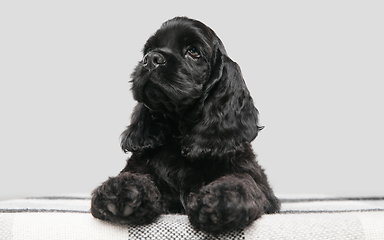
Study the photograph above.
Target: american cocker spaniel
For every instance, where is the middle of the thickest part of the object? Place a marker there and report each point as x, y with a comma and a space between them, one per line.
190, 137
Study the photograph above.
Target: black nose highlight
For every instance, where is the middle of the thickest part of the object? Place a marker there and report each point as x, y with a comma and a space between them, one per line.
153, 60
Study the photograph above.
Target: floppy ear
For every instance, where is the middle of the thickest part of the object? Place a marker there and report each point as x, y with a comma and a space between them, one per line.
228, 117
146, 131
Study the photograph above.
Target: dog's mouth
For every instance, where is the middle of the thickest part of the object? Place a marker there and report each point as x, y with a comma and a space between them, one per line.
165, 92
156, 100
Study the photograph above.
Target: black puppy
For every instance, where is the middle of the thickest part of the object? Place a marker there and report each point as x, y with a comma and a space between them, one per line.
190, 137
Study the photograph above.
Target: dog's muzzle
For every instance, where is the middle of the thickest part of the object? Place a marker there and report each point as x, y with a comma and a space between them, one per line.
153, 60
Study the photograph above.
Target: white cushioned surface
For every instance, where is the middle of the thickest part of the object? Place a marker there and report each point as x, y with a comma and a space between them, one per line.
301, 218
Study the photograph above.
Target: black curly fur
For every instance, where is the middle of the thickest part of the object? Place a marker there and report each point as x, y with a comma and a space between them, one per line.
190, 137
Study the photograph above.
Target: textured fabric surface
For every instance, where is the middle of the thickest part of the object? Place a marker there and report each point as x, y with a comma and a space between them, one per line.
301, 218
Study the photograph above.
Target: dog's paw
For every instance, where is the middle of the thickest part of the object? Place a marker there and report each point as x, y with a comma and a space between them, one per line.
226, 204
127, 199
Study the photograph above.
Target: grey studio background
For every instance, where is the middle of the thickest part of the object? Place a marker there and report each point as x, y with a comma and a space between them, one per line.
315, 70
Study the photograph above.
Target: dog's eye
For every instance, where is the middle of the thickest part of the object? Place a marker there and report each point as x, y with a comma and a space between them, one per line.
193, 52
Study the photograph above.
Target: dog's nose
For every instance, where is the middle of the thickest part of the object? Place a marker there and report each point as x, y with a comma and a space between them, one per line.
153, 60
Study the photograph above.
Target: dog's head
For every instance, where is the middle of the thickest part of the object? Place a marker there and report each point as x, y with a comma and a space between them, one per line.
185, 74
176, 66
